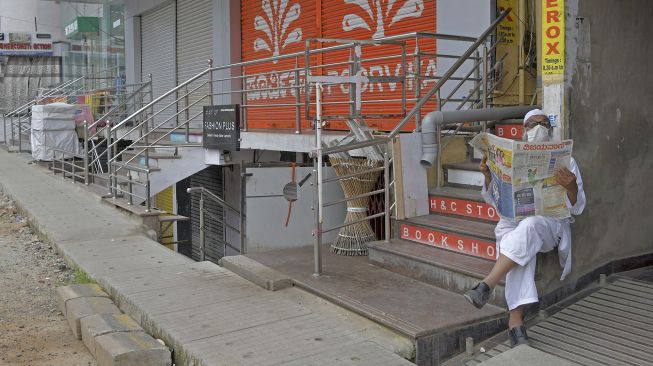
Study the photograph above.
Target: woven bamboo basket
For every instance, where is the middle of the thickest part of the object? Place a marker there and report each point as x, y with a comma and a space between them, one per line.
352, 239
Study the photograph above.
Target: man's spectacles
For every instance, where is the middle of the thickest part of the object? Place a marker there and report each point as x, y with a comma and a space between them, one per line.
532, 122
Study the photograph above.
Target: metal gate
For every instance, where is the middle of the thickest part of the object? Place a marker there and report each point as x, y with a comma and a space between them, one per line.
194, 49
158, 55
211, 179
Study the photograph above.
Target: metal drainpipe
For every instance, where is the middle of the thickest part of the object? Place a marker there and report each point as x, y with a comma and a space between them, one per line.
434, 119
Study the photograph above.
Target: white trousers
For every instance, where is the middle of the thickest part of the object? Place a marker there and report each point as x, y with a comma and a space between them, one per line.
521, 241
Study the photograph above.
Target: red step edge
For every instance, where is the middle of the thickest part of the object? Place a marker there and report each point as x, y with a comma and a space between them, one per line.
509, 131
449, 241
462, 207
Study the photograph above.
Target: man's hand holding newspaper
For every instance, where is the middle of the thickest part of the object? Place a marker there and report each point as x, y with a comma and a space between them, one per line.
527, 178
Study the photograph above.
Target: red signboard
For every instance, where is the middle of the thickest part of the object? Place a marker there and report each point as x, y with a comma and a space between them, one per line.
448, 241
453, 206
514, 132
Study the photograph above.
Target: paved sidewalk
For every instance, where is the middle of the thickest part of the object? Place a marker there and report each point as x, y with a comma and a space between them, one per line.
207, 314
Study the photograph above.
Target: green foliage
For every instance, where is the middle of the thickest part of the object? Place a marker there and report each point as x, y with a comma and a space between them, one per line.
78, 277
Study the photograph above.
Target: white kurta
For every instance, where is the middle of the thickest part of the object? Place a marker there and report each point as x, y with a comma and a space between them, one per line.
522, 240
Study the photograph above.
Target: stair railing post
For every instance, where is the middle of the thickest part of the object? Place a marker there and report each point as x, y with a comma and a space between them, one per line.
298, 127
107, 138
11, 124
317, 235
210, 73
386, 191
403, 79
148, 202
63, 169
151, 99
418, 82
186, 113
243, 83
485, 96
20, 140
130, 189
4, 128
73, 167
438, 158
317, 170
114, 153
242, 206
86, 176
477, 76
202, 228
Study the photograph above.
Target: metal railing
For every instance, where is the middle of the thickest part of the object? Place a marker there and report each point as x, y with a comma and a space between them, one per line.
20, 127
387, 140
18, 121
205, 193
178, 111
128, 180
68, 165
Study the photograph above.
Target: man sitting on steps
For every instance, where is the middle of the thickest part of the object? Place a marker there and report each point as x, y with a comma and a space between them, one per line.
519, 242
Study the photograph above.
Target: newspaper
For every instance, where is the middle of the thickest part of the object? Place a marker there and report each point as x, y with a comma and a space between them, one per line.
522, 172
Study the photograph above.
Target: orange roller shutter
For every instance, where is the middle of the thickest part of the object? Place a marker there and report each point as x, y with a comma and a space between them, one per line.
272, 28
277, 27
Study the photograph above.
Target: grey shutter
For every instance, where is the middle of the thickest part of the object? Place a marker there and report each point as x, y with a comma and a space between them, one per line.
194, 48
158, 57
210, 178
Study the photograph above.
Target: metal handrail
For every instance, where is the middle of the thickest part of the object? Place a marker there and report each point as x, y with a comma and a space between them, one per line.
205, 192
213, 197
290, 56
449, 73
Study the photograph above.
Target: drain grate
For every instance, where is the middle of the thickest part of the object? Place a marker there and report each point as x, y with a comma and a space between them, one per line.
613, 326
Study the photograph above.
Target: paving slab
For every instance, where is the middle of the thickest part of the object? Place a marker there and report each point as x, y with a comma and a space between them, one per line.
223, 317
97, 325
305, 337
131, 349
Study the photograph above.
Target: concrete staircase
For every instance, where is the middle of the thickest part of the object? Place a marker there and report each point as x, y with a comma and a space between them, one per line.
454, 246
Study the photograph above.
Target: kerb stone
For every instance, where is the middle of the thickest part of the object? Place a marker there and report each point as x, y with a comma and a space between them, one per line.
256, 272
131, 349
97, 325
66, 293
81, 307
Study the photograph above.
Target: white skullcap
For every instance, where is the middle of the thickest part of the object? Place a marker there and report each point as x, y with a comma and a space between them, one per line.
534, 112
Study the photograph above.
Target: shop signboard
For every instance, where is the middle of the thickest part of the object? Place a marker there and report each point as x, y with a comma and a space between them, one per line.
221, 127
25, 44
82, 27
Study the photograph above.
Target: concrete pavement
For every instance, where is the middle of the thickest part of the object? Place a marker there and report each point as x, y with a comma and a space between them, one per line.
205, 313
